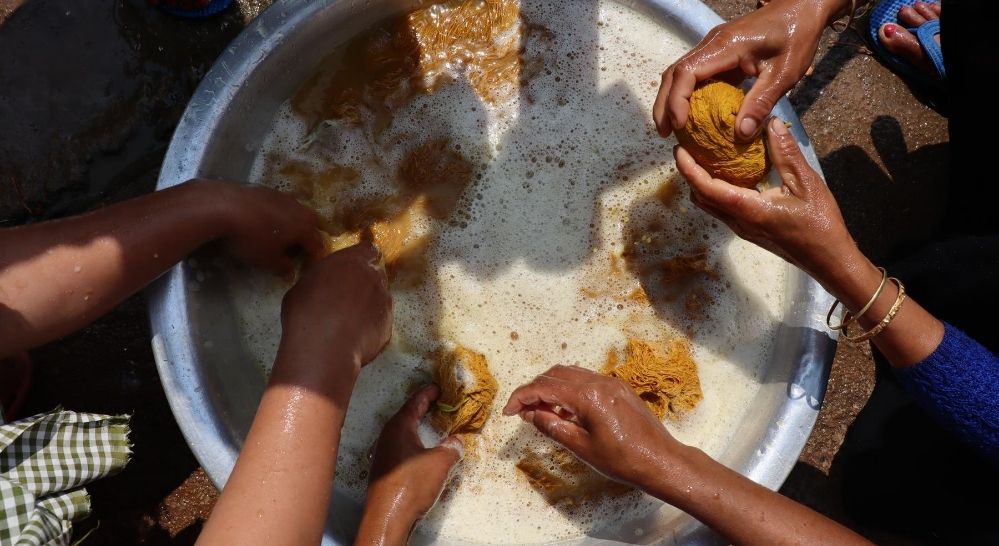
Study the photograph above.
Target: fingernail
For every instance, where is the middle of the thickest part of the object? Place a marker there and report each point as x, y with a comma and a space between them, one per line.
778, 127
890, 30
748, 126
527, 416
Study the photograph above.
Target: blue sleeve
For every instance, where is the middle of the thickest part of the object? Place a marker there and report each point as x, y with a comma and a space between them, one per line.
959, 386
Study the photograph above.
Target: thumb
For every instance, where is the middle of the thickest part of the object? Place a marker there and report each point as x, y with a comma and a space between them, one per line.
403, 425
787, 157
451, 450
756, 107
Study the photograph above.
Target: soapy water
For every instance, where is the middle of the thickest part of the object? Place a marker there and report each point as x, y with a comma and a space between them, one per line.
548, 259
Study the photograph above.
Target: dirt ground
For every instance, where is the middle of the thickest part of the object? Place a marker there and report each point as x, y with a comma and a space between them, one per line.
90, 93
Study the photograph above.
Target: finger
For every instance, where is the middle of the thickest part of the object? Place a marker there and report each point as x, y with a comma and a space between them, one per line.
925, 11
699, 202
364, 251
705, 61
727, 199
566, 433
659, 116
314, 246
571, 373
688, 167
284, 267
760, 101
418, 404
543, 390
787, 158
909, 17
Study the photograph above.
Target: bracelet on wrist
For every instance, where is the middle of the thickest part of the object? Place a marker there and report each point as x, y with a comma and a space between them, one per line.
880, 327
849, 318
853, 12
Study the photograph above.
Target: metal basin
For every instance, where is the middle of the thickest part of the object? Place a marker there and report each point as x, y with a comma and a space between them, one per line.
198, 345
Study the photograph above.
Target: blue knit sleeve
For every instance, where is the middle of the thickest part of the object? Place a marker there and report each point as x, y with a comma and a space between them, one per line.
959, 385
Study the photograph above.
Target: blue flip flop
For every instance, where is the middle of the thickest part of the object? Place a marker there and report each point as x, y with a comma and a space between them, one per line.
213, 8
886, 11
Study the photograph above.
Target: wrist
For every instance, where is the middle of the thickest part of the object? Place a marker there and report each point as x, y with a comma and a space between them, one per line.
393, 500
687, 474
200, 207
222, 202
829, 10
852, 281
836, 263
669, 464
328, 370
822, 12
388, 520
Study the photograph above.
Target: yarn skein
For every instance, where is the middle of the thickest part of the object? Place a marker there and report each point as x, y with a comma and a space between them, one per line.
709, 136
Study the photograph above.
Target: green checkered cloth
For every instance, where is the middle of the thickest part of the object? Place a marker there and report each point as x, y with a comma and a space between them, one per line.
45, 461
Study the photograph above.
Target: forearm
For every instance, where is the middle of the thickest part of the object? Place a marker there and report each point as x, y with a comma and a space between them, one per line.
910, 337
827, 10
387, 520
280, 489
56, 277
739, 509
957, 386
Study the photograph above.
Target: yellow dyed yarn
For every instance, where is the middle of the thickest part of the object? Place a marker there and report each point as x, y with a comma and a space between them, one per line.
709, 136
467, 391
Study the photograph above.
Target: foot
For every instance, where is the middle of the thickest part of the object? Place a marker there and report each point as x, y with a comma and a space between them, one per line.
899, 41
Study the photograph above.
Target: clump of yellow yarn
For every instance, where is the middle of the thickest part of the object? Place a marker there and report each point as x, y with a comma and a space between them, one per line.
467, 391
667, 381
709, 136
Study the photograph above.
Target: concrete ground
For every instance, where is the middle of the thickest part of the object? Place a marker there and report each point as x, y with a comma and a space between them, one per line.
90, 93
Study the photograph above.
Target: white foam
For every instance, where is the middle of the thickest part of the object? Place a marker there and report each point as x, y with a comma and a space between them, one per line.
567, 168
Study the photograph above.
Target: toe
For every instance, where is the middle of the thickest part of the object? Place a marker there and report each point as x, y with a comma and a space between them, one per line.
925, 11
935, 8
903, 43
909, 17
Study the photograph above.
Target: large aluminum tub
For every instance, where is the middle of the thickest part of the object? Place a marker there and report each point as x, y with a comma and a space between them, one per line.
214, 392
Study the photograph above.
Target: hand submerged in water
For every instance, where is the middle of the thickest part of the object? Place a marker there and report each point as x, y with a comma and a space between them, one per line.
340, 310
264, 228
600, 419
406, 478
607, 425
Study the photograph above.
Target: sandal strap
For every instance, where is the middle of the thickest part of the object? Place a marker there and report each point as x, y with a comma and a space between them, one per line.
925, 34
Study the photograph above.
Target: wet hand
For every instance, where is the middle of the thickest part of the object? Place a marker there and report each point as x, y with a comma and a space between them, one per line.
265, 228
600, 419
798, 221
406, 478
775, 44
339, 309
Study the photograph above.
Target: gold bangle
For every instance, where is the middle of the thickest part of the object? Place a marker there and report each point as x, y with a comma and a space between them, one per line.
860, 338
838, 26
849, 319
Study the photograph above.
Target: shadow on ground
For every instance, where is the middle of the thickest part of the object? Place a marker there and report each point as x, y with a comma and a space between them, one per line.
89, 95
